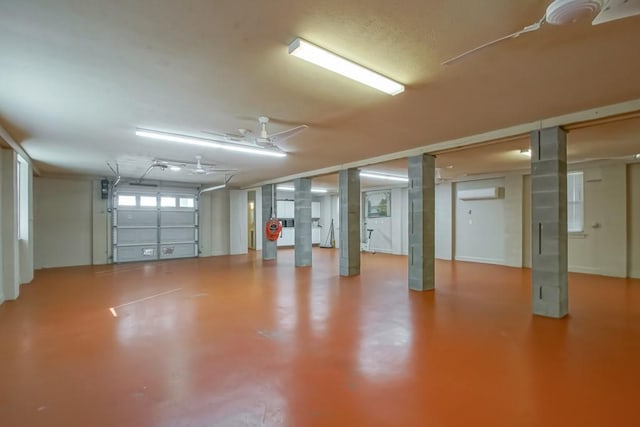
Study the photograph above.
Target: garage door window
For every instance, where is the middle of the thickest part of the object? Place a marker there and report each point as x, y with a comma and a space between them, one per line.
148, 201
168, 202
124, 200
186, 202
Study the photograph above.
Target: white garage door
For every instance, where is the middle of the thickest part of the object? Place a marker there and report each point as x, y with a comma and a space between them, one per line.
154, 225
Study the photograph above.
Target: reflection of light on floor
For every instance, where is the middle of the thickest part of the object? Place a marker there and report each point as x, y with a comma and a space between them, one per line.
319, 309
384, 353
286, 306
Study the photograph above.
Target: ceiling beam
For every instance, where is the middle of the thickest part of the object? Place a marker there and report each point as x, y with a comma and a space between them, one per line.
6, 137
608, 113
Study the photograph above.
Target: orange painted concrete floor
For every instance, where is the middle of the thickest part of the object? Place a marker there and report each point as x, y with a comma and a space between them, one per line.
232, 341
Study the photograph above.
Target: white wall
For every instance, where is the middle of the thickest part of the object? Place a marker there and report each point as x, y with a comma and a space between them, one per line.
633, 194
100, 226
214, 223
238, 222
63, 225
479, 225
602, 249
444, 221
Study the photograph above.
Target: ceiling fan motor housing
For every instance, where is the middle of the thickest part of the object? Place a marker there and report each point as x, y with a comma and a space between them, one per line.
562, 12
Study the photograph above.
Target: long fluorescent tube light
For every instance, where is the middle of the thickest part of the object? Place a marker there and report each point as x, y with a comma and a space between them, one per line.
204, 142
215, 187
325, 59
313, 190
383, 176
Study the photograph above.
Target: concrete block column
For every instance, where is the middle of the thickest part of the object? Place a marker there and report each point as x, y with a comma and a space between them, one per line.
349, 182
10, 261
421, 222
302, 221
269, 247
549, 258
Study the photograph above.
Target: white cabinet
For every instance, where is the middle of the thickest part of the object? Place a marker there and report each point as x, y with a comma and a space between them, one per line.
315, 209
316, 235
285, 208
287, 237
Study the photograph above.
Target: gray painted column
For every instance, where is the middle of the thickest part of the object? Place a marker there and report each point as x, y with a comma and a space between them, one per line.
421, 222
269, 247
10, 261
302, 222
549, 222
349, 222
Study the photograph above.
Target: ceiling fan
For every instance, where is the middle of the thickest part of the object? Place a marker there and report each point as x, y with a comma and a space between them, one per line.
264, 139
197, 168
564, 12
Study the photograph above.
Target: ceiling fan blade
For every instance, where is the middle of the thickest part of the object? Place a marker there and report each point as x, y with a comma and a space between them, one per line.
528, 29
281, 136
225, 137
617, 9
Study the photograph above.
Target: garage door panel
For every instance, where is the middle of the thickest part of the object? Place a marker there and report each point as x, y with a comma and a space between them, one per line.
178, 250
170, 218
177, 234
137, 235
129, 218
137, 253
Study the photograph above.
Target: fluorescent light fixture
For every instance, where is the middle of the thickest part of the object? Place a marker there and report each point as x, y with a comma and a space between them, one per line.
215, 187
332, 62
175, 168
526, 152
376, 175
313, 190
204, 142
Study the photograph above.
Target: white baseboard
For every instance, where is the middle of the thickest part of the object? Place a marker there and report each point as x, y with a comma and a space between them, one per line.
495, 261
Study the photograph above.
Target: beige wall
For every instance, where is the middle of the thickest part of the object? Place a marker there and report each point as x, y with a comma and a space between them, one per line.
633, 192
62, 222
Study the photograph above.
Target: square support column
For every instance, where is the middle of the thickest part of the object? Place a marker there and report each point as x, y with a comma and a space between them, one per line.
302, 222
269, 247
349, 222
10, 261
421, 222
549, 258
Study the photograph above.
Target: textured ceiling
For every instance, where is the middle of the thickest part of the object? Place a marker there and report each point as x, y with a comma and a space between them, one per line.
78, 76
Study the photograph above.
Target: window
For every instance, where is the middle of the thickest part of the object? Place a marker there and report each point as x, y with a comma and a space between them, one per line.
168, 202
575, 202
124, 200
186, 202
148, 201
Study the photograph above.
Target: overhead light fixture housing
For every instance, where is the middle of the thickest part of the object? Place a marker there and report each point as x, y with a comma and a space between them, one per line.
332, 62
215, 187
313, 190
210, 143
376, 175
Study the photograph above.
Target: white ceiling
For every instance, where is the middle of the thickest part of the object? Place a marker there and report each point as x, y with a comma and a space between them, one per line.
78, 76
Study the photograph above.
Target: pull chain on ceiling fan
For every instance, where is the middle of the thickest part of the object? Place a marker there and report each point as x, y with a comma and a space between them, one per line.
565, 12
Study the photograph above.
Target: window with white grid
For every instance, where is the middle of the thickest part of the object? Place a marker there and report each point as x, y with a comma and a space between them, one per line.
575, 202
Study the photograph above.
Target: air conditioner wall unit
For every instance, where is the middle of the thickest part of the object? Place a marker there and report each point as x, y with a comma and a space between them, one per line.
480, 193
